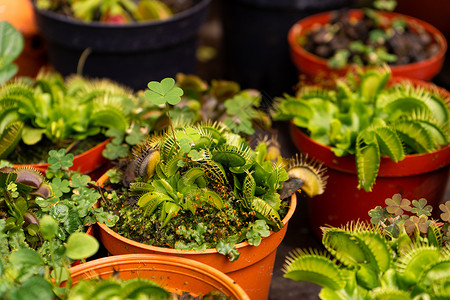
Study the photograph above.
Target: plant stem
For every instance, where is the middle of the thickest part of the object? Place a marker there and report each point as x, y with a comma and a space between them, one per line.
170, 125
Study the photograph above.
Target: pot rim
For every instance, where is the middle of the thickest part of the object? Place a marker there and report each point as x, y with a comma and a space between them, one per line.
297, 30
109, 231
388, 168
199, 6
143, 259
43, 166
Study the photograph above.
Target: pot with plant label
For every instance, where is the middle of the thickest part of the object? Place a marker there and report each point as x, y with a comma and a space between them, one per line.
129, 43
200, 191
176, 275
375, 139
331, 43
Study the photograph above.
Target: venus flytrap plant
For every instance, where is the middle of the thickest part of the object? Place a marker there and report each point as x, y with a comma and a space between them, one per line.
398, 256
364, 116
200, 185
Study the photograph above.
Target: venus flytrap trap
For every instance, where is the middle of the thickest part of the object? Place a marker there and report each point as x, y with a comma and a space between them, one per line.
396, 256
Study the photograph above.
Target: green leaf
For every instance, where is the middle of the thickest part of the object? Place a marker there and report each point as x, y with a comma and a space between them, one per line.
31, 136
28, 257
11, 45
80, 246
48, 227
160, 93
36, 288
59, 159
113, 151
367, 161
421, 207
59, 186
229, 249
257, 231
79, 180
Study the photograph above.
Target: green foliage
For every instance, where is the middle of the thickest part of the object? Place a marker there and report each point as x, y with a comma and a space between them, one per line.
164, 92
138, 288
365, 117
11, 45
27, 197
201, 186
399, 255
52, 110
221, 100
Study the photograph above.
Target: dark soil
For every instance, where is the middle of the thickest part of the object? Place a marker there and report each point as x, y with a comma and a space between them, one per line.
408, 44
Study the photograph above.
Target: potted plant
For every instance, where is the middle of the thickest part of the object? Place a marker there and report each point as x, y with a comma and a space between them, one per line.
375, 136
30, 274
64, 196
172, 275
200, 191
330, 43
397, 256
270, 70
135, 44
51, 112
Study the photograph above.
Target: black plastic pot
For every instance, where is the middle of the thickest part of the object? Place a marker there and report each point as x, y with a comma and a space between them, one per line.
132, 54
255, 40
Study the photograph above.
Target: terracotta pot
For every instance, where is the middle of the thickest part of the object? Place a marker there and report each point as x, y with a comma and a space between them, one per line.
19, 13
312, 65
417, 176
252, 271
176, 274
86, 162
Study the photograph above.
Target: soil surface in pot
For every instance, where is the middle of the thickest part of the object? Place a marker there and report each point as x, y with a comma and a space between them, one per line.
25, 154
123, 14
370, 40
215, 224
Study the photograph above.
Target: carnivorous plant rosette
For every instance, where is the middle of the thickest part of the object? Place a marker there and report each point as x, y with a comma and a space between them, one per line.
366, 116
397, 255
199, 186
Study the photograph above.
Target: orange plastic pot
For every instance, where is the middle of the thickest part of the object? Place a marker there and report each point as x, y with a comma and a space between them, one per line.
86, 162
176, 274
417, 176
314, 66
252, 271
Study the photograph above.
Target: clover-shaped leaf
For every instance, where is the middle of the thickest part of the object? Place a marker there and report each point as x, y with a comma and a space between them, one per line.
417, 222
378, 214
164, 91
421, 207
135, 136
396, 205
113, 151
79, 180
59, 159
60, 186
445, 215
195, 155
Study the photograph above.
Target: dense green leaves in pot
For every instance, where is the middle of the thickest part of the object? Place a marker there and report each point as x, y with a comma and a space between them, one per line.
365, 116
